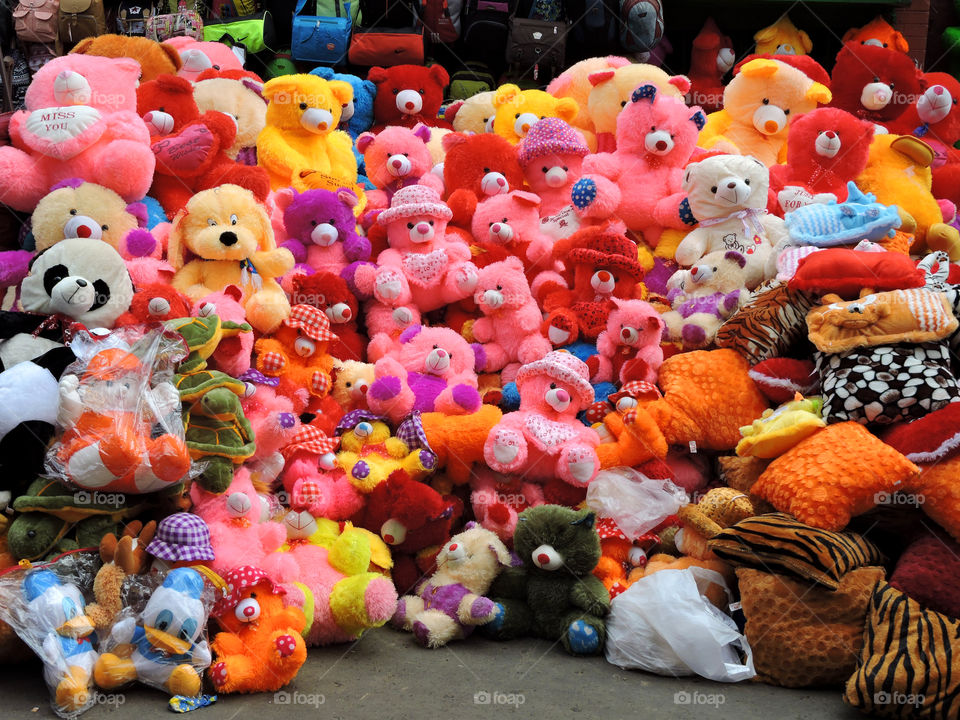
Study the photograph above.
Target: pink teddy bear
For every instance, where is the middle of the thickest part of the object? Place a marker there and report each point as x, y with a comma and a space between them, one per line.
233, 354
629, 349
509, 225
509, 330
424, 269
198, 55
394, 158
275, 423
312, 480
543, 439
433, 372
640, 182
80, 121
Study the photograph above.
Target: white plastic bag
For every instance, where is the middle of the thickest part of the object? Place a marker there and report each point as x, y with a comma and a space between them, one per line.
664, 624
634, 501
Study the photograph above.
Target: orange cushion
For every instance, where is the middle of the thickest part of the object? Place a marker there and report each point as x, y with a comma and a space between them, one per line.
937, 492
833, 475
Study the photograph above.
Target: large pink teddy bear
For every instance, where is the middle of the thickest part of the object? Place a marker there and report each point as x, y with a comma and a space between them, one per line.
544, 440
80, 121
640, 182
509, 330
424, 268
434, 371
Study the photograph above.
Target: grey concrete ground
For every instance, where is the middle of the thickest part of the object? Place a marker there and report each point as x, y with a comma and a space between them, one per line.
387, 677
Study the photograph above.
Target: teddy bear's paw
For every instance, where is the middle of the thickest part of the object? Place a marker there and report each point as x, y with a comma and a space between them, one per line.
218, 674
483, 609
286, 645
583, 193
388, 285
582, 464
506, 447
693, 335
582, 638
467, 278
497, 615
466, 397
73, 691
385, 388
403, 317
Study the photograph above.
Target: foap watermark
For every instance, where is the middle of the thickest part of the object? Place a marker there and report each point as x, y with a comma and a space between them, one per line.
116, 699
511, 499
899, 499
485, 697
95, 497
898, 698
285, 697
685, 697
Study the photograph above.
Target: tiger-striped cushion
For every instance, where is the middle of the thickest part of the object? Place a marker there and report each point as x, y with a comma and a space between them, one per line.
909, 666
768, 325
777, 542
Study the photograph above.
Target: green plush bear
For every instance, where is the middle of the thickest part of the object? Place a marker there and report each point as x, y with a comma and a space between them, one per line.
554, 594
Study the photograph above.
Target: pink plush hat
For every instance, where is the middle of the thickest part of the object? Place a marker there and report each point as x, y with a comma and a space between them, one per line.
562, 366
415, 200
550, 136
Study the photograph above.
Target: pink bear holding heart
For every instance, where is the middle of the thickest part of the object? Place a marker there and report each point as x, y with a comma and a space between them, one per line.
80, 122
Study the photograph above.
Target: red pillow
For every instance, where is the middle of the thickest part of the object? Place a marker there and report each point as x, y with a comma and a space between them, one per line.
846, 272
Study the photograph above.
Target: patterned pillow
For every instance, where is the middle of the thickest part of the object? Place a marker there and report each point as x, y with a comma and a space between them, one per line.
887, 383
768, 325
908, 667
777, 542
805, 636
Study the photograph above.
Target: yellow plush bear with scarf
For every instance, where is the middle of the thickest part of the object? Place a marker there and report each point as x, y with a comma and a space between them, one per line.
300, 146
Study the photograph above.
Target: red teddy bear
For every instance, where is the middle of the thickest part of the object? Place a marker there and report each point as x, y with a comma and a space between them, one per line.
331, 294
190, 148
407, 95
874, 83
477, 167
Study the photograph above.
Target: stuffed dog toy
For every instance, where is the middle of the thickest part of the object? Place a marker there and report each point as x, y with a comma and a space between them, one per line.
229, 236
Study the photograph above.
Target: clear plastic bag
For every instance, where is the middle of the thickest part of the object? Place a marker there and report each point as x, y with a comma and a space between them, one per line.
664, 624
122, 429
635, 502
45, 605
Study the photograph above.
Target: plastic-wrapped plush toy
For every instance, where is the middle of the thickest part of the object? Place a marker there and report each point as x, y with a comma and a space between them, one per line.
639, 183
434, 370
190, 148
543, 439
876, 84
168, 639
554, 595
711, 58
197, 56
110, 409
300, 145
230, 238
238, 93
451, 602
509, 331
219, 435
153, 58
757, 106
782, 38
80, 121
629, 348
394, 158
261, 647
518, 110
407, 95
727, 194
826, 148
331, 294
704, 296
475, 167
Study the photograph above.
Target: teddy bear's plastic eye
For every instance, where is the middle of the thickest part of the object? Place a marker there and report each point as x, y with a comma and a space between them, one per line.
211, 222
713, 189
406, 154
435, 347
623, 104
303, 106
564, 168
396, 91
489, 224
73, 212
517, 115
410, 226
553, 386
714, 269
216, 67
486, 170
313, 223
766, 101
653, 128
104, 227
787, 111
544, 169
876, 79
499, 287
422, 91
162, 109
331, 221
431, 223
747, 181
891, 86
505, 220
234, 219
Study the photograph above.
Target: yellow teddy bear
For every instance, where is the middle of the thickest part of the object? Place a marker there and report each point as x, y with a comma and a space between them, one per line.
757, 106
229, 235
518, 110
369, 452
300, 146
782, 38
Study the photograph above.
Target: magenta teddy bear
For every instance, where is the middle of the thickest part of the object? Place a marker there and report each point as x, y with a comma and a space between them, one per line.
543, 439
551, 156
629, 349
424, 269
434, 371
80, 121
394, 158
312, 480
640, 182
509, 330
322, 230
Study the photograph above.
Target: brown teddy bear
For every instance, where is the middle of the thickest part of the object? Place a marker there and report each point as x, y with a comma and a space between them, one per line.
155, 58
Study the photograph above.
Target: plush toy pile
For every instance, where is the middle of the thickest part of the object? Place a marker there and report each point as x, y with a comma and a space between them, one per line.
539, 370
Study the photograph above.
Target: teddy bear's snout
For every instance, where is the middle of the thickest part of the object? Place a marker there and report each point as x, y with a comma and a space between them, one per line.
602, 282
935, 104
556, 177
346, 111
701, 273
558, 399
733, 190
493, 298
339, 313
725, 59
876, 96
304, 347
629, 335
393, 532
494, 183
159, 122
195, 60
626, 403
523, 123
421, 232
409, 102
158, 306
81, 226
785, 49
247, 610
437, 361
238, 504
501, 232
456, 552
399, 165
769, 119
228, 238
324, 235
658, 142
546, 557
71, 88
827, 144
316, 120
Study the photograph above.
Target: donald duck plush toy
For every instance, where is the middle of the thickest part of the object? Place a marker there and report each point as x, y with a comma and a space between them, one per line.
57, 610
166, 652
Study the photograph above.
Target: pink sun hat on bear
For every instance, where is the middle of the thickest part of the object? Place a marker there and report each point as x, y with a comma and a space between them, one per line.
564, 367
550, 136
415, 200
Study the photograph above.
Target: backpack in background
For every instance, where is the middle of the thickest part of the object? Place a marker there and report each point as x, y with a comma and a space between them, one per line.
322, 38
537, 49
441, 21
485, 30
37, 21
390, 33
595, 33
132, 15
641, 24
226, 9
81, 19
472, 79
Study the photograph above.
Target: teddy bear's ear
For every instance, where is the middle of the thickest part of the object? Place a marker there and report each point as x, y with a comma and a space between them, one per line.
438, 73
342, 91
232, 291
451, 140
452, 109
587, 521
323, 72
279, 88
699, 119
567, 109
917, 151
266, 240
866, 291
516, 263
173, 54
377, 75
900, 42
681, 83
831, 298
422, 131
175, 241
365, 140
348, 197
410, 333
819, 93
805, 42
644, 92
687, 183
506, 94
139, 211
734, 256
284, 197
527, 198
761, 68
370, 87
601, 76
82, 47
503, 555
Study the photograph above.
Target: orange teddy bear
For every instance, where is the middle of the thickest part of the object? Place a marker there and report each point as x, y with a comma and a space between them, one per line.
298, 354
262, 648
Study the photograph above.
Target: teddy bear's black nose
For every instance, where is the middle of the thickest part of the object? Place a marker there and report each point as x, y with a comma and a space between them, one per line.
81, 282
228, 238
